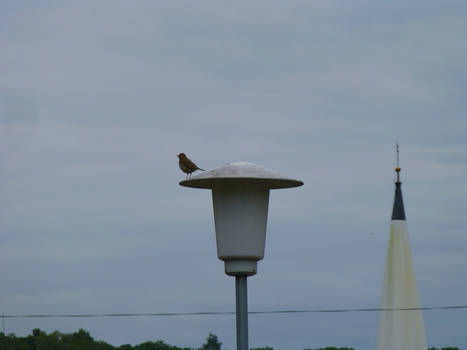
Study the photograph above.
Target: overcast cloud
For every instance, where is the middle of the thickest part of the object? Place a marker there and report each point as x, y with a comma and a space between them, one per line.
97, 98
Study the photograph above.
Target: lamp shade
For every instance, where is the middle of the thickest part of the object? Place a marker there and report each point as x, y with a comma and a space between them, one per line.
240, 194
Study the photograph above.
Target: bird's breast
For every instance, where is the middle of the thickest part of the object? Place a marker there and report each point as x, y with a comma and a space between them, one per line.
184, 168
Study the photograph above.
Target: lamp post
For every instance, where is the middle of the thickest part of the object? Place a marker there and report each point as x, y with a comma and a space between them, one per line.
240, 194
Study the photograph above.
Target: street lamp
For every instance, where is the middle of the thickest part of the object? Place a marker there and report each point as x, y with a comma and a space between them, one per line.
240, 194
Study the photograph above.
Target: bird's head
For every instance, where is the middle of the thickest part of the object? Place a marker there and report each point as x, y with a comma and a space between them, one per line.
181, 156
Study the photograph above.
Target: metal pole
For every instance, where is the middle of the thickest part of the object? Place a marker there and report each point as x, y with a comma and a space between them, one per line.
242, 312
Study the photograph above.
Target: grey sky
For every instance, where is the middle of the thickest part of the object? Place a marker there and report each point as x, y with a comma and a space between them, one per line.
97, 98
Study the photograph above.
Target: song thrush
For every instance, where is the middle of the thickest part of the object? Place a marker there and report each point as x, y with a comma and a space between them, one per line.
186, 165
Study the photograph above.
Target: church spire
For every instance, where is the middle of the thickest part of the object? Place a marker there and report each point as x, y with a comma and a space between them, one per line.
399, 328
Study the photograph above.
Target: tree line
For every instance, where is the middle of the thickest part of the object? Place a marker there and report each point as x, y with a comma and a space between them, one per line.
82, 340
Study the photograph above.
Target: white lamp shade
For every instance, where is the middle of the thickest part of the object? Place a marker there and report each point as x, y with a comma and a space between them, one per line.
240, 215
240, 194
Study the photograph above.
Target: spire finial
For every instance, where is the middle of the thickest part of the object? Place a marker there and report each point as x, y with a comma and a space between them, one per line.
398, 169
398, 212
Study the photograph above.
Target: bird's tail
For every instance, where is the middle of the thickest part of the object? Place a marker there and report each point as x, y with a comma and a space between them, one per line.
201, 169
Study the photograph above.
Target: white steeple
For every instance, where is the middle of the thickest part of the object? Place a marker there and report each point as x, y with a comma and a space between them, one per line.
400, 329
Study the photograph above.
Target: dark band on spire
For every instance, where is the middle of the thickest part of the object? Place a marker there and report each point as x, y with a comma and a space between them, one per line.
398, 212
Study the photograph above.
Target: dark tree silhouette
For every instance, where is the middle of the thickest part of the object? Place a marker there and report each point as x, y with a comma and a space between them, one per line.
212, 343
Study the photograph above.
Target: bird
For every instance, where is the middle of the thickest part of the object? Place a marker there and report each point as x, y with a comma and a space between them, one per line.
186, 165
